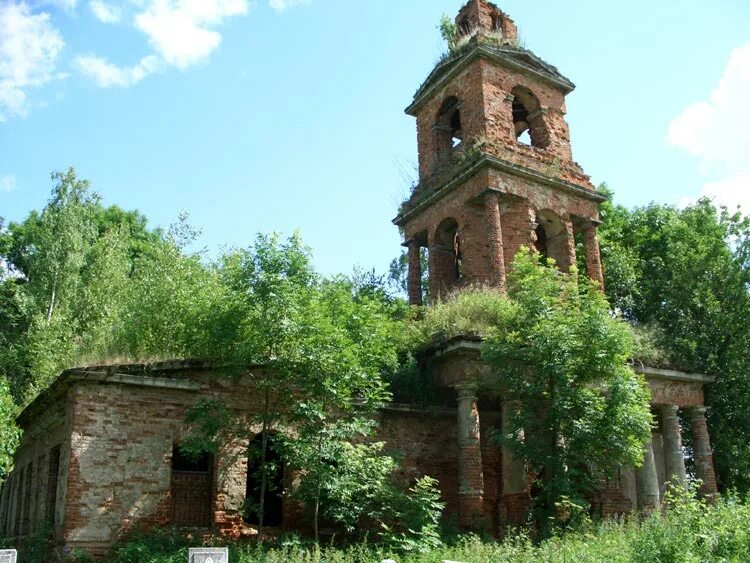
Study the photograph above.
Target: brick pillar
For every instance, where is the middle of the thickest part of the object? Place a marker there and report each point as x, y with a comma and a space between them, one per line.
647, 481
674, 457
495, 240
704, 461
593, 258
470, 477
515, 498
433, 269
414, 279
570, 243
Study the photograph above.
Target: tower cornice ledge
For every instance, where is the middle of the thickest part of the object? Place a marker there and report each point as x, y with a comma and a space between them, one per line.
488, 160
515, 58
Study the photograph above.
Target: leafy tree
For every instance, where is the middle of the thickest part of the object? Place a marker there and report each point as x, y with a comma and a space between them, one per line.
448, 31
271, 286
686, 271
346, 342
559, 355
10, 435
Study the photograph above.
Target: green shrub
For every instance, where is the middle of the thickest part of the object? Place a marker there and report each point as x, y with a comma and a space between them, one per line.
689, 530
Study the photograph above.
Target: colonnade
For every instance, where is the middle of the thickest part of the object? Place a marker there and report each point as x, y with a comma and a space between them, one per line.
493, 229
650, 492
514, 479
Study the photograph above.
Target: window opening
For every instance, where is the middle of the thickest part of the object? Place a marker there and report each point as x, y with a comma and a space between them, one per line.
464, 26
552, 240
528, 119
192, 480
53, 472
497, 23
541, 241
273, 499
449, 134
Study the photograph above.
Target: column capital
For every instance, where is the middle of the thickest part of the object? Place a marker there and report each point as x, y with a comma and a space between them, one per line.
588, 224
668, 410
697, 410
412, 242
468, 390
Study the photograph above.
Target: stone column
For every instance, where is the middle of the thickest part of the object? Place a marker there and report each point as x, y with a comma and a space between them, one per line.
515, 494
433, 259
414, 279
674, 457
470, 477
495, 240
647, 481
702, 454
570, 243
593, 258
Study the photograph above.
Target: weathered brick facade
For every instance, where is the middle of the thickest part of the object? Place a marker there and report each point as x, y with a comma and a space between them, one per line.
112, 431
471, 114
98, 460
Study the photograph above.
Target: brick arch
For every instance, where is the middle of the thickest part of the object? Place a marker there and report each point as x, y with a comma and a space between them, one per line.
552, 238
447, 128
445, 255
528, 115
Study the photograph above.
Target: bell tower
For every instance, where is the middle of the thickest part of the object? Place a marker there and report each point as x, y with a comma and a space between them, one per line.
496, 170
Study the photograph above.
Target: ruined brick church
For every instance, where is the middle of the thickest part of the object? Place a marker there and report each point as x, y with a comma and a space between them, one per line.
99, 457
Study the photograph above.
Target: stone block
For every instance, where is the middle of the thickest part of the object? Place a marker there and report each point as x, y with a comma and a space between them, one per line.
8, 556
208, 555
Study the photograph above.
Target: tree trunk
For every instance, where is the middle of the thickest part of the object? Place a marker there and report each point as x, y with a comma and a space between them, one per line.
263, 468
51, 307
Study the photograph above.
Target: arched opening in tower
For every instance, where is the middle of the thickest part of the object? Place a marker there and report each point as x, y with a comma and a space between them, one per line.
528, 119
448, 131
552, 240
447, 260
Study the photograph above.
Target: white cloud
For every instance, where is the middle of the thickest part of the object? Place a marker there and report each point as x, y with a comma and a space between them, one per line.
106, 74
182, 31
717, 132
7, 183
105, 13
282, 5
67, 5
730, 193
29, 47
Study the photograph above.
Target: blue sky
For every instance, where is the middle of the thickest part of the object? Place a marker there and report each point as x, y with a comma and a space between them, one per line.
281, 114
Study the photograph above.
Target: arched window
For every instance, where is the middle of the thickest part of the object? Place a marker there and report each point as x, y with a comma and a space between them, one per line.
448, 133
464, 26
273, 494
497, 23
447, 260
528, 119
552, 239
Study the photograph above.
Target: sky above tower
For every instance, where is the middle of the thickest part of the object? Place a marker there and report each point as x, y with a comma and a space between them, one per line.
278, 115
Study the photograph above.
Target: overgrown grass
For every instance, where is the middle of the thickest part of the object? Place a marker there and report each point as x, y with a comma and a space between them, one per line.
689, 530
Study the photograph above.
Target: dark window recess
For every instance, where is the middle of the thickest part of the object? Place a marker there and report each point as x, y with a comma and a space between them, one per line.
182, 462
52, 479
18, 504
192, 482
27, 521
541, 241
273, 503
448, 130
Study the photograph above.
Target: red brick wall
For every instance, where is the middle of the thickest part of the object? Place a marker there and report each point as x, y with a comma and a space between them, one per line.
24, 502
520, 202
